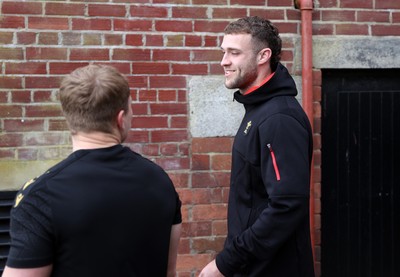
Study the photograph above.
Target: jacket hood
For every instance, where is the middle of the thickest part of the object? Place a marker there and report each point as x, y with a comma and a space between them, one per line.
280, 84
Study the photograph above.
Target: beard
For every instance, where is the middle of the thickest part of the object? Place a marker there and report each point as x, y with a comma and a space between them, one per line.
243, 78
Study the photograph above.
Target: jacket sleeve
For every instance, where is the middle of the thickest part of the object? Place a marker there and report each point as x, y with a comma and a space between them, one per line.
285, 170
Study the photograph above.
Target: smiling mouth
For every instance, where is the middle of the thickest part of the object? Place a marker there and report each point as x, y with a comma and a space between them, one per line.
229, 72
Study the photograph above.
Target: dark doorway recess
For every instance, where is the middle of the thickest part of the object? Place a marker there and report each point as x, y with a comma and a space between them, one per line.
360, 173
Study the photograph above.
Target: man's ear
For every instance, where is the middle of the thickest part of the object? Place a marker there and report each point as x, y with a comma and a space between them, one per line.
120, 119
264, 55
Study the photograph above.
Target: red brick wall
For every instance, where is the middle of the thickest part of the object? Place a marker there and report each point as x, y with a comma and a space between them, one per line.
158, 45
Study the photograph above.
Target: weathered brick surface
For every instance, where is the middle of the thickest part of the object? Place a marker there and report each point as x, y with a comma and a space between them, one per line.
158, 45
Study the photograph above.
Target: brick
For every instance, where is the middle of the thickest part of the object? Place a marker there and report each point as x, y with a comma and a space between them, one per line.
3, 96
20, 96
248, 2
89, 54
71, 39
58, 125
219, 228
11, 53
373, 16
13, 22
173, 26
190, 69
169, 149
210, 2
204, 245
167, 82
207, 55
180, 180
48, 110
271, 14
147, 95
11, 82
138, 136
91, 39
356, 4
42, 82
70, 9
168, 109
186, 2
171, 55
46, 53
7, 111
64, 67
132, 25
200, 162
6, 37
351, 29
179, 122
212, 145
211, 41
328, 3
183, 248
150, 68
131, 54
150, 122
23, 125
192, 262
40, 139
233, 14
21, 7
26, 68
387, 4
11, 140
396, 17
42, 96
134, 40
322, 29
93, 24
174, 40
385, 30
189, 12
210, 26
221, 162
338, 15
106, 10
27, 154
148, 11
280, 3
138, 81
48, 38
26, 37
113, 39
154, 40
173, 163
195, 229
209, 180
209, 212
6, 154
195, 196
193, 40
169, 135
48, 23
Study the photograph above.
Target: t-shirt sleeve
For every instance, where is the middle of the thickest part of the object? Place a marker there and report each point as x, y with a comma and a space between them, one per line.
30, 231
178, 213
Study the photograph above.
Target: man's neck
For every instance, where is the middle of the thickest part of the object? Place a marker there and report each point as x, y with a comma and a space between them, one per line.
93, 140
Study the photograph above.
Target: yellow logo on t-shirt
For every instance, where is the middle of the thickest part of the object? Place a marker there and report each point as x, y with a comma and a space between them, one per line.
18, 199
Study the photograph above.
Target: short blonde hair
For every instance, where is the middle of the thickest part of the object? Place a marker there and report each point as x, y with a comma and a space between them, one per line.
92, 96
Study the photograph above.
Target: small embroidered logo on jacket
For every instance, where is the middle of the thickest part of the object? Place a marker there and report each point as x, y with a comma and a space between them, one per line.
247, 127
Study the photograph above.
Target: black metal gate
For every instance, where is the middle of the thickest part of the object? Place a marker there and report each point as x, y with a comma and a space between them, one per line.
360, 173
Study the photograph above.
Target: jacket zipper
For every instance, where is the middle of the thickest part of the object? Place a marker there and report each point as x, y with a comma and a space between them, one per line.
278, 175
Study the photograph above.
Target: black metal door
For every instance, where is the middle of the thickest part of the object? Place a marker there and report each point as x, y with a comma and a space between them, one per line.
360, 199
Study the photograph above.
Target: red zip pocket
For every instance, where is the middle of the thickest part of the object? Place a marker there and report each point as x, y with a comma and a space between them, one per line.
278, 175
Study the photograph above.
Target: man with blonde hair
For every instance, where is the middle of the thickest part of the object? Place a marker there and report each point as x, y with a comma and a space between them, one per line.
104, 210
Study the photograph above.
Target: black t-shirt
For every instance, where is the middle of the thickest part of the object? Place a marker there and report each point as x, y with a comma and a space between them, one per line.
101, 212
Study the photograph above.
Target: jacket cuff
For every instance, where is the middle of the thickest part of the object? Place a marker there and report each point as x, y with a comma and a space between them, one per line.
222, 266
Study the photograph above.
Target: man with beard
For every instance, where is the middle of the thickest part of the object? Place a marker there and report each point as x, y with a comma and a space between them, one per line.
268, 209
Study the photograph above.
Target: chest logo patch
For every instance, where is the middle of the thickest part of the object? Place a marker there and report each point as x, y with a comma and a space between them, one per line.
248, 126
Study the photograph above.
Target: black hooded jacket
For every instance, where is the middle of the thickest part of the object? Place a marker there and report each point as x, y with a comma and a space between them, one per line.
268, 212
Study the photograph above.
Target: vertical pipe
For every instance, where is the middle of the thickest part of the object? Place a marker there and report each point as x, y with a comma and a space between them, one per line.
306, 8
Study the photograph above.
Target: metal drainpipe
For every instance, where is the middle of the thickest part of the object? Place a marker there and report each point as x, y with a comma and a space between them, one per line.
306, 8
